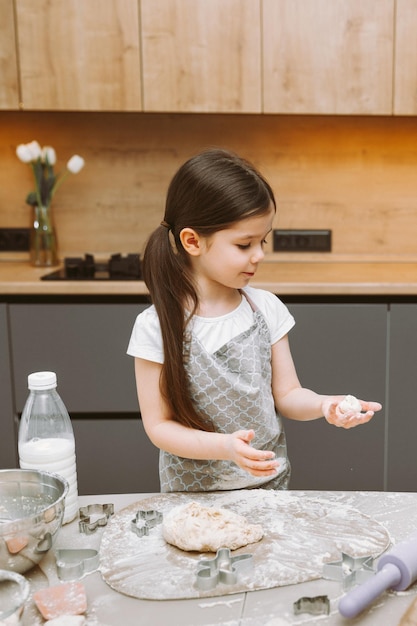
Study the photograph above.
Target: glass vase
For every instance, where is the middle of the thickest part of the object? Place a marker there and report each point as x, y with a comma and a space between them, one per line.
43, 240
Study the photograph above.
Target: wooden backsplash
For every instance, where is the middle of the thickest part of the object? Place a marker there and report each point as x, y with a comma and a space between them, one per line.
354, 175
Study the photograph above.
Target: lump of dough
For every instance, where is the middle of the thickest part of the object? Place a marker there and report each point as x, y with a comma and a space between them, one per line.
349, 404
63, 599
194, 527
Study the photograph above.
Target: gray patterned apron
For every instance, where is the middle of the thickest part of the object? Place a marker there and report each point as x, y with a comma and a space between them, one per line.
232, 387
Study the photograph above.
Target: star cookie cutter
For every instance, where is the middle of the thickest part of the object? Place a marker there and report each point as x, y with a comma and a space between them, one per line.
74, 564
317, 605
350, 570
85, 524
223, 568
144, 520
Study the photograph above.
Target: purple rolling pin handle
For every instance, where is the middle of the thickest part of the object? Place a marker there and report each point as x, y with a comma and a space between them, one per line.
360, 597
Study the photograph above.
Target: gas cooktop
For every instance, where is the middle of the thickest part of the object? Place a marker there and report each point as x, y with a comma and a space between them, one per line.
117, 267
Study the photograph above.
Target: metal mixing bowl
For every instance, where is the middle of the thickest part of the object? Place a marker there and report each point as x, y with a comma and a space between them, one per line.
31, 512
14, 591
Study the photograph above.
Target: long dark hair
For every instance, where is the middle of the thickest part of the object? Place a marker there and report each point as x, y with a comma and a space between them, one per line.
210, 192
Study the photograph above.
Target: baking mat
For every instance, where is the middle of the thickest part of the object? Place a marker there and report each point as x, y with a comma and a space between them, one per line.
301, 533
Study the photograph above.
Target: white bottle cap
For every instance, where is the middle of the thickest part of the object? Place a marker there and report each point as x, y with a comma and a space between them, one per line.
42, 380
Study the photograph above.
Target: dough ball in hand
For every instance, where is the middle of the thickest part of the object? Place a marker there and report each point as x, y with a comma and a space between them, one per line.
347, 410
350, 404
194, 527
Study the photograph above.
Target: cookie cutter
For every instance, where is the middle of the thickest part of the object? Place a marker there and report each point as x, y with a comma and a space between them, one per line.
44, 544
144, 520
317, 605
223, 568
74, 564
85, 524
350, 570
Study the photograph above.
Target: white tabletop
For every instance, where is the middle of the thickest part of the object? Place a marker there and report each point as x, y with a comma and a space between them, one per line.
272, 607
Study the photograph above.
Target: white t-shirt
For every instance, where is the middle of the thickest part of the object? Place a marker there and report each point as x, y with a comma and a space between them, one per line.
213, 332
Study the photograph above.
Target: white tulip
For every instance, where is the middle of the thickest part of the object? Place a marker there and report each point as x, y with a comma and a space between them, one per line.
23, 153
49, 155
75, 164
42, 161
35, 150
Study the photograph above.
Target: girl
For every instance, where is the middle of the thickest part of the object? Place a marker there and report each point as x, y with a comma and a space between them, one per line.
213, 365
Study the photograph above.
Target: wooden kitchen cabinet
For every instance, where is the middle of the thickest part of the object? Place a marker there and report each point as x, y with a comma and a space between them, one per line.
402, 408
77, 55
85, 344
356, 57
339, 349
9, 90
405, 71
201, 56
8, 449
328, 57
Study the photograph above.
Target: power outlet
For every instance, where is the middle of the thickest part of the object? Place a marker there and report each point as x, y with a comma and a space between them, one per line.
14, 239
302, 240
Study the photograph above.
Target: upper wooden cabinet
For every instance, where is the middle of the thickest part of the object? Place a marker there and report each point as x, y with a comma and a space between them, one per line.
322, 56
79, 55
405, 83
9, 91
201, 55
351, 57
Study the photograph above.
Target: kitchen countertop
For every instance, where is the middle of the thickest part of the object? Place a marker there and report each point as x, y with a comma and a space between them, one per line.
284, 275
397, 512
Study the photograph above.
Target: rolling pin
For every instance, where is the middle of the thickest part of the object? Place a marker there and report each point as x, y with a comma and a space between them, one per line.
397, 569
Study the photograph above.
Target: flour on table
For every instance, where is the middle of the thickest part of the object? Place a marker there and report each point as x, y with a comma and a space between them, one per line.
301, 533
199, 528
66, 620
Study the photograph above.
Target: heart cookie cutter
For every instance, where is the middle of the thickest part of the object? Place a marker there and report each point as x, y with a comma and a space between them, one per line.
74, 564
104, 511
144, 520
223, 568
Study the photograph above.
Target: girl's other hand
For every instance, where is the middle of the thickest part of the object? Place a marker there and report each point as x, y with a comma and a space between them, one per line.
348, 419
256, 462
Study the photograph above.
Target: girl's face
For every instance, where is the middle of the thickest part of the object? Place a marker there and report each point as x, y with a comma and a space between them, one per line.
230, 257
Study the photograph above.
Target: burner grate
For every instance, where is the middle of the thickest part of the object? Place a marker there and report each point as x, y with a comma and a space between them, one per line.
117, 267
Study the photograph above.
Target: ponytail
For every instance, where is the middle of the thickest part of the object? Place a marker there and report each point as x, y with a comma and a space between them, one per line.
162, 266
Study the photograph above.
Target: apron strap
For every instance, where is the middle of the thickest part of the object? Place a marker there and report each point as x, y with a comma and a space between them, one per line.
250, 301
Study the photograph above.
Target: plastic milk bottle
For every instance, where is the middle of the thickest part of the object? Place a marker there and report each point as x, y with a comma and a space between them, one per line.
46, 437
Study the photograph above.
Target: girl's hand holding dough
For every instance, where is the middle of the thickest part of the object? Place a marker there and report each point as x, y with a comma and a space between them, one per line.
348, 411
